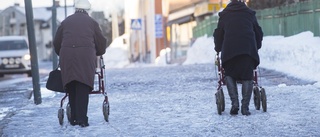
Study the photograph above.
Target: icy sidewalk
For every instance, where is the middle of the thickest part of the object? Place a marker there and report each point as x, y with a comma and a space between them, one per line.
173, 101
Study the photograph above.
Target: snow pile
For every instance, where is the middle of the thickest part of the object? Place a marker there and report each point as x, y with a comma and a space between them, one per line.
202, 51
117, 55
164, 56
296, 55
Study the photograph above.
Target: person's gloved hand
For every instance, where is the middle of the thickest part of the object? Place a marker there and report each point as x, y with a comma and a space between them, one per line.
217, 57
216, 62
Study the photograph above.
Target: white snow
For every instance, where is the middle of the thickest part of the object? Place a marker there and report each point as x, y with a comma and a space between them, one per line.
117, 54
201, 51
296, 56
179, 100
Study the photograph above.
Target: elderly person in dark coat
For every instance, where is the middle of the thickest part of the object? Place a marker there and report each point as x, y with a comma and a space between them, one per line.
238, 37
78, 42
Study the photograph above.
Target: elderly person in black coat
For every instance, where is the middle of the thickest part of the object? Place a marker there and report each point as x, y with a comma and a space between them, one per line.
78, 42
238, 37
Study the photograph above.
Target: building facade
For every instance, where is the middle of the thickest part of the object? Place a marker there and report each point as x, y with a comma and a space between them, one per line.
13, 23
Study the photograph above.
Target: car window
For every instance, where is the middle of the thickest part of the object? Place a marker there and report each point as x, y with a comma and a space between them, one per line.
13, 45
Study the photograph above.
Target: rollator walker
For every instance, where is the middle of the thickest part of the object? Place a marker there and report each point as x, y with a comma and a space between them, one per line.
101, 79
259, 93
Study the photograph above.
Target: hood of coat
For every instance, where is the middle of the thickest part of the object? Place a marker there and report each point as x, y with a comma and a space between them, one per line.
236, 6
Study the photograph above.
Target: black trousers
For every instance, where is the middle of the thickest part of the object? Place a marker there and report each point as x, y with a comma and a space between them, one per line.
78, 100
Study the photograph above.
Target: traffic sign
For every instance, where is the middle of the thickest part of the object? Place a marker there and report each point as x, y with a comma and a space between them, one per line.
158, 26
136, 24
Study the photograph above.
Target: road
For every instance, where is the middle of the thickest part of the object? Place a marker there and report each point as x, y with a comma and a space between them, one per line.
132, 89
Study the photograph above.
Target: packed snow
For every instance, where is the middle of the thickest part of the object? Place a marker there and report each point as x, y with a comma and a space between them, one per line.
178, 100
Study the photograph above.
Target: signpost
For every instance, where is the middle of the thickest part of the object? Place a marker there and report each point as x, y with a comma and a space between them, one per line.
158, 26
54, 30
136, 24
159, 31
33, 52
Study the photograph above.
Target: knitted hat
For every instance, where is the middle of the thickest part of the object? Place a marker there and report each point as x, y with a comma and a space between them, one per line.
82, 4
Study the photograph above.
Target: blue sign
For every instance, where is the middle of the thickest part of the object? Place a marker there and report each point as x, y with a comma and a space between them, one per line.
158, 26
136, 24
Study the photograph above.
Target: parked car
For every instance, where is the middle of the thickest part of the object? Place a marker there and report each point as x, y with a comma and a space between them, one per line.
14, 55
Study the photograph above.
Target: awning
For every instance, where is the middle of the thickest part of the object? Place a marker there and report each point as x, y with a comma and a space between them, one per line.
181, 20
181, 16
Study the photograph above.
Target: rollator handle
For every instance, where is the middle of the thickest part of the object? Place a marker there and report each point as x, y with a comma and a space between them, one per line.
217, 61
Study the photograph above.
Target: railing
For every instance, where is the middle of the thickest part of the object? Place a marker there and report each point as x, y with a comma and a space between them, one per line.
284, 20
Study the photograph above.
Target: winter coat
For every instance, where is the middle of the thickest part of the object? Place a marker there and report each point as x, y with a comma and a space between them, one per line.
78, 42
238, 32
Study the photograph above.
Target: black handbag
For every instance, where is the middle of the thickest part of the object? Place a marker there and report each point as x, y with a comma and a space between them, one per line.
54, 81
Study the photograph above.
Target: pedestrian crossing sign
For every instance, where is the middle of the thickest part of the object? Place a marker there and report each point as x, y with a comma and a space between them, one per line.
136, 24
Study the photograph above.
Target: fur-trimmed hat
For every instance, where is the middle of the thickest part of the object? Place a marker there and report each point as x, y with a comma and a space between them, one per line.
82, 4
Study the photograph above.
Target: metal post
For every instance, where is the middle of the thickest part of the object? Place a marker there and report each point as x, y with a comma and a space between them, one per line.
65, 8
33, 52
54, 29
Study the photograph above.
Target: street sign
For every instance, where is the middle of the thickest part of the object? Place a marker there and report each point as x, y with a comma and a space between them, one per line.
136, 24
158, 26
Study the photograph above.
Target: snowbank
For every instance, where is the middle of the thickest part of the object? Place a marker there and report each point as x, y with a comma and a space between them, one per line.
201, 51
117, 55
296, 55
163, 57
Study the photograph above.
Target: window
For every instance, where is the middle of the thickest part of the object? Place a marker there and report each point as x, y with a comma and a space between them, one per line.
13, 45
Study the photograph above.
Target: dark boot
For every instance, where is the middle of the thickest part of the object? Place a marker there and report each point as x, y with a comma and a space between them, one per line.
233, 93
85, 123
247, 86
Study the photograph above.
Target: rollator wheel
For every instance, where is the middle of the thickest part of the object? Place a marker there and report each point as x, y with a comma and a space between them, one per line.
68, 109
60, 115
264, 100
218, 102
223, 104
106, 110
219, 109
256, 97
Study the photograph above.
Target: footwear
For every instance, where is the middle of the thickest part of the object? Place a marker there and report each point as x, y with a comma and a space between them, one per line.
234, 110
247, 86
245, 112
233, 92
73, 123
83, 124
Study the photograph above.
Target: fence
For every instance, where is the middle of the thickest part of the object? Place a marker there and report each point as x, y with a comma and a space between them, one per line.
284, 20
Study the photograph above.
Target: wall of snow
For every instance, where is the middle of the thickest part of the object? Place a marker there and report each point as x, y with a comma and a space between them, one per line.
201, 51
